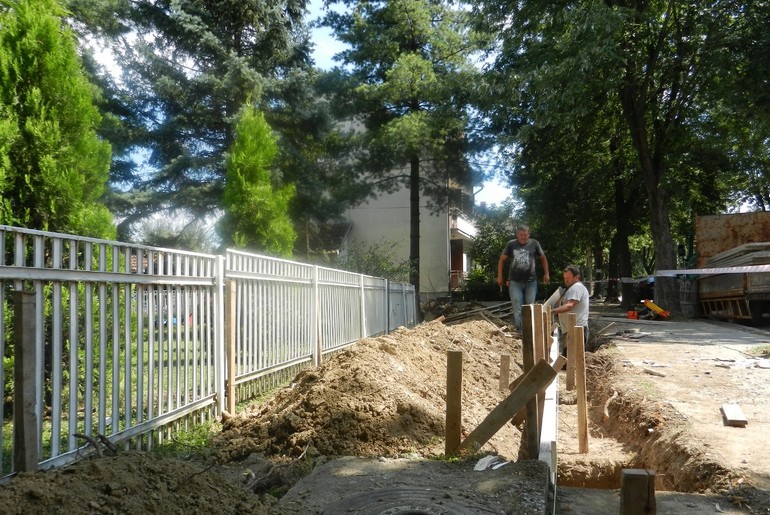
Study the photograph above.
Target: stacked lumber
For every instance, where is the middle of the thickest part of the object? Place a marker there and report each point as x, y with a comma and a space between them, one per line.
757, 253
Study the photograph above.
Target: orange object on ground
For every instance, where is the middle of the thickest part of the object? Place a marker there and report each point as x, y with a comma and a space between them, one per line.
632, 315
657, 309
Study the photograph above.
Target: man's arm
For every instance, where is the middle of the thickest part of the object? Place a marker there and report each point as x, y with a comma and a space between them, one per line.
566, 307
500, 265
544, 264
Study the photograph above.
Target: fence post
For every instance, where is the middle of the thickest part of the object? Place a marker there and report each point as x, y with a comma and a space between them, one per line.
25, 434
387, 306
230, 339
361, 291
219, 333
316, 345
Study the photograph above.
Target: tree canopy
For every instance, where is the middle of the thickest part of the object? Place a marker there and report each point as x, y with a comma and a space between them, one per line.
604, 98
53, 166
407, 74
620, 120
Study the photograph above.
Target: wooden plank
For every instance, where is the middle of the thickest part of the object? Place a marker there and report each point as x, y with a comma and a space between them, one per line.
454, 401
580, 381
637, 492
25, 422
533, 381
570, 321
528, 344
732, 415
521, 415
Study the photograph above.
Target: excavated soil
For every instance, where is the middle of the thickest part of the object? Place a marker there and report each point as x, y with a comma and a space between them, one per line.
383, 399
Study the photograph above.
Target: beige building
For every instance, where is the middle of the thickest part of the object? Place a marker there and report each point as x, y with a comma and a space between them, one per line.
444, 239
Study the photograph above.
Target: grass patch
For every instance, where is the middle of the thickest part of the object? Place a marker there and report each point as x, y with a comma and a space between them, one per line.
195, 441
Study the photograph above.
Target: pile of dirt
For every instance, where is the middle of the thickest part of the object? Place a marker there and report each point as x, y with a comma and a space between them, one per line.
129, 482
382, 397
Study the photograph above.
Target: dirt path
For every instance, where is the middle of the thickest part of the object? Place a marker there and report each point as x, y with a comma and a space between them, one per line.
663, 393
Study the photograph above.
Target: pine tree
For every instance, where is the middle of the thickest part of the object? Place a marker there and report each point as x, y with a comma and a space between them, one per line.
53, 166
256, 212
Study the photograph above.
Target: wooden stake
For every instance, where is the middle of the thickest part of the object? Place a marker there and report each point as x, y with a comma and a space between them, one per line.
637, 492
580, 379
570, 320
532, 427
25, 422
454, 394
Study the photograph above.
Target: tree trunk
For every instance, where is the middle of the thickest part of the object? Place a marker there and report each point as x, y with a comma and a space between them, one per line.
414, 224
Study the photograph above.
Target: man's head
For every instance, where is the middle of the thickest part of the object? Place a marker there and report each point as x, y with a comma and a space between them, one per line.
522, 234
571, 275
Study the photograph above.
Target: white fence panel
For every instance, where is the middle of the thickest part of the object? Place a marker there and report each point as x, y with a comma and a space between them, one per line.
128, 339
340, 308
125, 337
274, 319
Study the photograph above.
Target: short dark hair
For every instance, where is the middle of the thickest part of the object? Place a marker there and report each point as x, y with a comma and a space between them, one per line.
522, 228
573, 269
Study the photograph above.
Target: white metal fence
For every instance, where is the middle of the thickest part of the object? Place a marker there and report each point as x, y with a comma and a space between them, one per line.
121, 341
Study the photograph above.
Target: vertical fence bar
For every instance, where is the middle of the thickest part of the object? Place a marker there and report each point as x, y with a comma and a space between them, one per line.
230, 337
38, 260
89, 344
56, 352
129, 396
315, 326
117, 355
152, 350
219, 339
102, 328
362, 304
74, 337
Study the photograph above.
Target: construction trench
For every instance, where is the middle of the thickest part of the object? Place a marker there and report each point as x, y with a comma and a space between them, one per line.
366, 432
609, 458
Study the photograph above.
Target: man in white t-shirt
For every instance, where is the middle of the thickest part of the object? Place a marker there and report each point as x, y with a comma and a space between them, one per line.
575, 298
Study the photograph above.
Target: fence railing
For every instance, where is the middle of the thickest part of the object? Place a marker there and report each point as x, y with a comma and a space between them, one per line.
121, 341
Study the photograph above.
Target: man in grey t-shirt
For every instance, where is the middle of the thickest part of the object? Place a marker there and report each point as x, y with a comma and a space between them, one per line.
575, 298
522, 279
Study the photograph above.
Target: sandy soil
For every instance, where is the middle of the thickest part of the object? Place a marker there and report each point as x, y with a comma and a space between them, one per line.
383, 398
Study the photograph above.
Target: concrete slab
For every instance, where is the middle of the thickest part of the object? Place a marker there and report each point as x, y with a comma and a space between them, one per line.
382, 485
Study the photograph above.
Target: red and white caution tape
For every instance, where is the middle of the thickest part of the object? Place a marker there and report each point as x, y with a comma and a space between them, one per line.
713, 271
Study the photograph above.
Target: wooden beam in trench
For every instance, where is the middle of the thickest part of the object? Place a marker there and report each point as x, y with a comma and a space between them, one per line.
530, 385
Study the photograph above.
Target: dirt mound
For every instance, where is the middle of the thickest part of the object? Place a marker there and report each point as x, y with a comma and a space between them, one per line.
129, 482
382, 397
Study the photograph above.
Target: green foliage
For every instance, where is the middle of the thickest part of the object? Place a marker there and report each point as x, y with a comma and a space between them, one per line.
621, 119
481, 285
376, 259
195, 441
187, 68
53, 167
494, 228
255, 211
